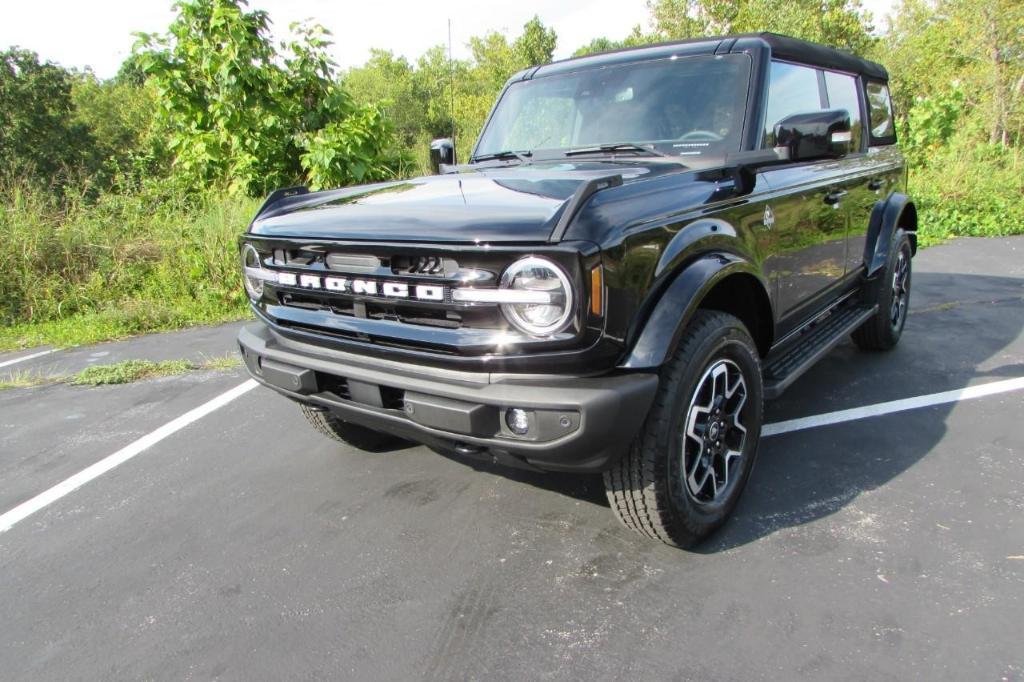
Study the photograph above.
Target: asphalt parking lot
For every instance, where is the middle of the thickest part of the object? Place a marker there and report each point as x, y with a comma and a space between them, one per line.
246, 546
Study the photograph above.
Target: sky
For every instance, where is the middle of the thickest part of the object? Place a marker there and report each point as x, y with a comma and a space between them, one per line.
98, 35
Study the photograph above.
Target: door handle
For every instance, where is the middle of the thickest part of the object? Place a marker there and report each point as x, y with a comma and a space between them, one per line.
875, 185
833, 198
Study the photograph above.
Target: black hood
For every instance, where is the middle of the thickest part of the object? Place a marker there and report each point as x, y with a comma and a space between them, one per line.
497, 205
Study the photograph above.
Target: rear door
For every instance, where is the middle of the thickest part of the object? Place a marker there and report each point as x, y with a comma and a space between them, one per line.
843, 92
806, 249
882, 167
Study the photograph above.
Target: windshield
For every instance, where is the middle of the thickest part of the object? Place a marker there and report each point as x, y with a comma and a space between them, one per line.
690, 107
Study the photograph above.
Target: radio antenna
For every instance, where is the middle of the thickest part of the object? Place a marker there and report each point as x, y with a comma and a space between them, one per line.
451, 80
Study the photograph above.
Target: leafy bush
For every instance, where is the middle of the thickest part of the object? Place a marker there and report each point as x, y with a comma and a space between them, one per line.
237, 112
930, 125
969, 189
351, 151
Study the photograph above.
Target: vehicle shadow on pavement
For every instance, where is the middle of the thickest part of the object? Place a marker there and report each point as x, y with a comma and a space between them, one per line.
583, 487
958, 333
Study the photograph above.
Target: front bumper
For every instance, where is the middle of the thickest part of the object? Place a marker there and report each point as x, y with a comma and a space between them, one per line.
575, 423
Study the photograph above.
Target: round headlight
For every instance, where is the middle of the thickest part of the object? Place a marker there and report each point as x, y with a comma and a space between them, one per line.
251, 260
553, 311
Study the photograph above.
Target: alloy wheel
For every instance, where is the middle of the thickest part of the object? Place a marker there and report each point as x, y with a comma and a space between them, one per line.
715, 436
900, 289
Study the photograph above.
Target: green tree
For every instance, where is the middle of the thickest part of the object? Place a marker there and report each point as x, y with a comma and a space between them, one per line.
536, 45
438, 97
118, 114
973, 48
40, 138
494, 58
598, 45
435, 80
388, 82
131, 71
839, 23
497, 59
957, 69
237, 111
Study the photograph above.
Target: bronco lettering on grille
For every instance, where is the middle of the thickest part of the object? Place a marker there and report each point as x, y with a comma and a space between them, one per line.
363, 287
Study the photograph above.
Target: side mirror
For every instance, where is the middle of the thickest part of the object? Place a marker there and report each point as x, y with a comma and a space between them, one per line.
815, 135
442, 152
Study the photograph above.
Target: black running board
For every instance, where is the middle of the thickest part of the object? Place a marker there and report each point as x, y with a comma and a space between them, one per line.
812, 345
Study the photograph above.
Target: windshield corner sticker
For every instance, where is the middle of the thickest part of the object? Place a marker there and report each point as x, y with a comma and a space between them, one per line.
769, 217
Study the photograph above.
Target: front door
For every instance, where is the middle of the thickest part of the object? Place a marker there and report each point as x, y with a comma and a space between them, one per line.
807, 242
808, 250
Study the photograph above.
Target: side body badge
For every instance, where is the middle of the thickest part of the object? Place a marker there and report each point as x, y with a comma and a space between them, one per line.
769, 217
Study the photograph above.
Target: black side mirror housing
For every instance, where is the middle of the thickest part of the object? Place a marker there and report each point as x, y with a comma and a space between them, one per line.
442, 152
815, 135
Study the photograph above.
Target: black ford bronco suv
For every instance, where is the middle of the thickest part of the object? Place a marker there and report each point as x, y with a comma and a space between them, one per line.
643, 246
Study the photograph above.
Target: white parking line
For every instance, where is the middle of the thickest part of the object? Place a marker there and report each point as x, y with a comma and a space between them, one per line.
69, 485
891, 406
101, 467
26, 357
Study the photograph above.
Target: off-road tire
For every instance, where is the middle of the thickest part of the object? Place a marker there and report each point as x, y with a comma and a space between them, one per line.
646, 488
881, 332
351, 434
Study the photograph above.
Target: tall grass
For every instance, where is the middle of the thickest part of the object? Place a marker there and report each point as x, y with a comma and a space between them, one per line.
972, 190
77, 270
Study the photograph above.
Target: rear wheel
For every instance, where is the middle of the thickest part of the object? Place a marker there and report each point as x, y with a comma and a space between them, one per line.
890, 291
351, 434
687, 468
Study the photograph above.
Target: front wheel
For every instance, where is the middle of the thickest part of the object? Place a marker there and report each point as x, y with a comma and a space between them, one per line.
355, 435
688, 466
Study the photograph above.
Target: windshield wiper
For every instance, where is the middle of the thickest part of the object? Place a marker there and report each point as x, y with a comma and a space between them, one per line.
619, 147
506, 155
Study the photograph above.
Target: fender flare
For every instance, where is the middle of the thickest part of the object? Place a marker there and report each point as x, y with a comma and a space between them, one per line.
659, 334
885, 217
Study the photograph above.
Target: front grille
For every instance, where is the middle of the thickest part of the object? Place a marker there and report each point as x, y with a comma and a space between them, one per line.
488, 317
400, 295
367, 264
348, 336
436, 266
354, 263
413, 289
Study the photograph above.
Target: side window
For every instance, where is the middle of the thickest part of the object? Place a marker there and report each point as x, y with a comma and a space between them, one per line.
842, 94
792, 90
883, 130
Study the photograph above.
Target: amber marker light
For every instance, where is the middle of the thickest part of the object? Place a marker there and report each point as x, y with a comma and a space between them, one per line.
597, 290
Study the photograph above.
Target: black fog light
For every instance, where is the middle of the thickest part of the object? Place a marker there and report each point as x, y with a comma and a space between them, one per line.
518, 421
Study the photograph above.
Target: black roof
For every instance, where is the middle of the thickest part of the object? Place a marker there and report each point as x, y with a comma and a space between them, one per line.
820, 55
784, 47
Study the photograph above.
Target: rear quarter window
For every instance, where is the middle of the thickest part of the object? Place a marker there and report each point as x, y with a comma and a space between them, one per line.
842, 94
880, 116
